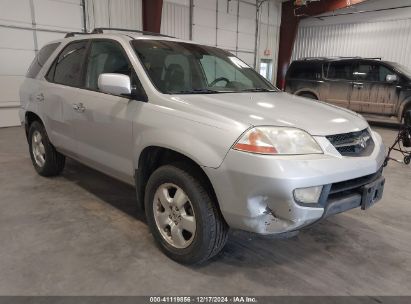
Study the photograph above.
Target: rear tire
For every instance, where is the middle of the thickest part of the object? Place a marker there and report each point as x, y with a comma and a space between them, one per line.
45, 158
202, 240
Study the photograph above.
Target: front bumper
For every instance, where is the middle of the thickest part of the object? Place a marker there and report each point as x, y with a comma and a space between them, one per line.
255, 192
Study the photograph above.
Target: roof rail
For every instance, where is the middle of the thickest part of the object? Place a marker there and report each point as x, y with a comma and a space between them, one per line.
339, 57
72, 34
100, 30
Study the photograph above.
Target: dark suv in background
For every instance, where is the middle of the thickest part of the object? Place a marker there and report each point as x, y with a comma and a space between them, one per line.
379, 89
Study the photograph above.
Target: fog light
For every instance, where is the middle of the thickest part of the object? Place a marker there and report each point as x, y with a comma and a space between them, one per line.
309, 195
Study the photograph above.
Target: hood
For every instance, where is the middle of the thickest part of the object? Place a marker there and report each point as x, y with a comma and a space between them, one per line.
278, 109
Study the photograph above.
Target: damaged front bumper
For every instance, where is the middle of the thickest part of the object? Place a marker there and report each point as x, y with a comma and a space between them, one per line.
255, 192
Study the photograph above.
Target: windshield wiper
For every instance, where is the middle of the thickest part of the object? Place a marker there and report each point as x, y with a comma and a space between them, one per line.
197, 91
257, 90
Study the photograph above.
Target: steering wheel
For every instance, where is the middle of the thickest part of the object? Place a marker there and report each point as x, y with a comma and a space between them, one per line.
218, 80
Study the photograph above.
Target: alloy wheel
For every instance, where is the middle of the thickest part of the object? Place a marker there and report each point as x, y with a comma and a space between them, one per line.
174, 215
38, 150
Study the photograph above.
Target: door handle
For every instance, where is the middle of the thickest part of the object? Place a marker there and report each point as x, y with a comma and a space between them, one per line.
358, 85
79, 107
40, 97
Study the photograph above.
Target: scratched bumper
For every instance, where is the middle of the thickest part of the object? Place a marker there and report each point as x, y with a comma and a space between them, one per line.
255, 192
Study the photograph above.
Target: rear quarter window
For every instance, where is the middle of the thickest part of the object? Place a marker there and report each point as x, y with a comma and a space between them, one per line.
306, 71
40, 59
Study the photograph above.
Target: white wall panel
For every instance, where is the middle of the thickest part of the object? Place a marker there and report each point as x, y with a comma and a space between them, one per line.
18, 46
227, 22
16, 39
269, 33
12, 83
53, 14
15, 12
175, 19
114, 13
45, 37
247, 58
226, 39
204, 35
205, 17
208, 4
385, 34
246, 42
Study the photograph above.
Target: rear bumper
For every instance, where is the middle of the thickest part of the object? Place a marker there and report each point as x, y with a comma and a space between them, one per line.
255, 192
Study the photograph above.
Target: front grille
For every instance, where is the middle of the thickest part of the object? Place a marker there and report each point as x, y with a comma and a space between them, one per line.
353, 185
353, 144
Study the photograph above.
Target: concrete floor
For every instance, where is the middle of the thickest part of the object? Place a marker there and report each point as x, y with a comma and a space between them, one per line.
80, 234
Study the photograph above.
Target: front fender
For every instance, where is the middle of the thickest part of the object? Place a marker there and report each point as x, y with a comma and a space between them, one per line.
203, 153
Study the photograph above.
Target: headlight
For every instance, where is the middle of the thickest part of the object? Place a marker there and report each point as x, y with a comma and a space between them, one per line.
277, 141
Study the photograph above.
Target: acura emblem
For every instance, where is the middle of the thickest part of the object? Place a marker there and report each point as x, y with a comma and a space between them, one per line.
362, 141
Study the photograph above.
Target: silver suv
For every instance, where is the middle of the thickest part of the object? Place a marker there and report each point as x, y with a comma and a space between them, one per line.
208, 143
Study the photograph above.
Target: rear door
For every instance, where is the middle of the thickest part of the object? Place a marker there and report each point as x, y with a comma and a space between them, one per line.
103, 122
371, 92
339, 80
60, 91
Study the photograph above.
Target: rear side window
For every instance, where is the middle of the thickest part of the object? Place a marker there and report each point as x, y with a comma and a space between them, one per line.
340, 71
306, 70
67, 69
42, 56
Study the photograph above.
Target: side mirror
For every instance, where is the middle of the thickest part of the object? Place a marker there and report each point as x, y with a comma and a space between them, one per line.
116, 84
391, 78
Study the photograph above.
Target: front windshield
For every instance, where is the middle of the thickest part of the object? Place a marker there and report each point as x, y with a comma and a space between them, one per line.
402, 68
185, 68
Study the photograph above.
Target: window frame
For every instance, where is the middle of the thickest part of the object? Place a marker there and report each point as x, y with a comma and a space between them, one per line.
350, 62
57, 57
273, 87
83, 73
37, 60
293, 68
379, 63
142, 94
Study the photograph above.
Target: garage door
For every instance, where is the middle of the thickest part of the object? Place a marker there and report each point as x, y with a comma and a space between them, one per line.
25, 26
230, 25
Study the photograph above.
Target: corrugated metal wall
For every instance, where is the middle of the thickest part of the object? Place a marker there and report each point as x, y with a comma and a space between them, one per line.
175, 19
384, 34
114, 13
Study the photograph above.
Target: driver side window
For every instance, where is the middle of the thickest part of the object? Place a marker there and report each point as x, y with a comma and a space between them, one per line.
373, 72
105, 57
109, 57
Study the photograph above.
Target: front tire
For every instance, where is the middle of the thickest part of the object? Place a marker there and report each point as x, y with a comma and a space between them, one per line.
182, 216
46, 160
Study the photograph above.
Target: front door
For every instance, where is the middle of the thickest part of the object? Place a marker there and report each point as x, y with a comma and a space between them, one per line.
103, 122
373, 92
338, 84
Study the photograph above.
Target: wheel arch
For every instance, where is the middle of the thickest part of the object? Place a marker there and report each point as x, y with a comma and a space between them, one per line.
153, 157
307, 91
29, 118
405, 105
